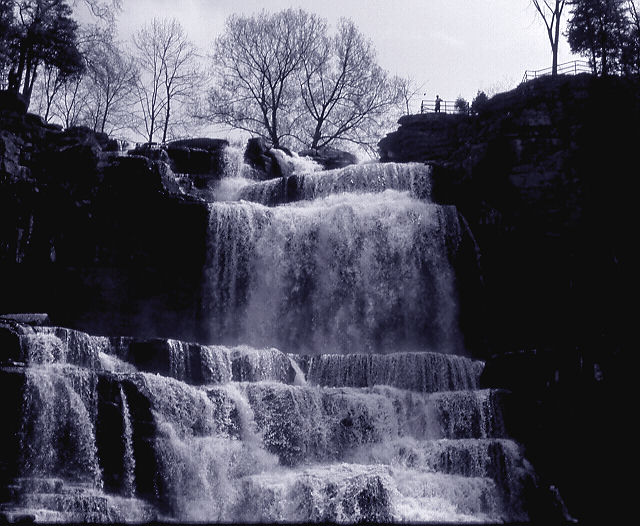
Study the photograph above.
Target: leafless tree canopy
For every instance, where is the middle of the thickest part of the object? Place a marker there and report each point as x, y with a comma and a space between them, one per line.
104, 10
167, 74
408, 88
344, 91
283, 77
256, 61
100, 97
111, 78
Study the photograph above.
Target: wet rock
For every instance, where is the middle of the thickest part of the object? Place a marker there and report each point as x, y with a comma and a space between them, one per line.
330, 158
280, 164
202, 159
137, 175
267, 162
255, 154
150, 151
11, 168
28, 318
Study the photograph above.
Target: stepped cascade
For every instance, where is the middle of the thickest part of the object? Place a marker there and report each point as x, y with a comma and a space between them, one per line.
336, 388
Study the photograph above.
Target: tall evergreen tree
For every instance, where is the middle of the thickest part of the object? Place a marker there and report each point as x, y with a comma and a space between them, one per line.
597, 29
38, 32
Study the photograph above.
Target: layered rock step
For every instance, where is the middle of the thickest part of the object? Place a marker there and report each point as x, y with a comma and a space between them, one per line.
414, 178
120, 429
54, 501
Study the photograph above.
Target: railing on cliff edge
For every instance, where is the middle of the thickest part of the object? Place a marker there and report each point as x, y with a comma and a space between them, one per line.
446, 106
567, 68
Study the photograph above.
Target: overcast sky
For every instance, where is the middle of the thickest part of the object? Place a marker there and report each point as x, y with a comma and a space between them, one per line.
453, 47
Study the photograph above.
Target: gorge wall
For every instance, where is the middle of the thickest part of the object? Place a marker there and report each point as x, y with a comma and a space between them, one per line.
99, 241
542, 175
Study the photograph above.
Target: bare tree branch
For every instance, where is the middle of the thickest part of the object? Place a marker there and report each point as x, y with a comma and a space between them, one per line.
551, 13
256, 60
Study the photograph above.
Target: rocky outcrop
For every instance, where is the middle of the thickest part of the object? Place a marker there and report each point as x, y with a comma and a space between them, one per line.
542, 177
202, 158
428, 136
12, 102
330, 158
99, 241
267, 162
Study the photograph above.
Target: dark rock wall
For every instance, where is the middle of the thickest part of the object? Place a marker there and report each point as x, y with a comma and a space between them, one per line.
543, 176
100, 242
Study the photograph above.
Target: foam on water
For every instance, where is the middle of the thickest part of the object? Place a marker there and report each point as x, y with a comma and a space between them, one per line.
364, 178
113, 364
368, 272
58, 426
61, 345
322, 398
129, 482
426, 372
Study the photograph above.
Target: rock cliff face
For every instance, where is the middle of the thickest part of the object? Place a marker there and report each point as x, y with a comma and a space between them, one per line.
543, 178
100, 242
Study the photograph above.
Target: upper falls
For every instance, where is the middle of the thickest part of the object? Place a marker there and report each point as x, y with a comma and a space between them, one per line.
359, 263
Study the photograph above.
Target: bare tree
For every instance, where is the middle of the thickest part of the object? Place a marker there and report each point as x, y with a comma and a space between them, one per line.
69, 105
104, 11
111, 77
345, 93
180, 74
551, 12
46, 90
256, 61
408, 89
166, 62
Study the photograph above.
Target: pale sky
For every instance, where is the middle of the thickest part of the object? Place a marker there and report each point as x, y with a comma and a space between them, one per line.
453, 47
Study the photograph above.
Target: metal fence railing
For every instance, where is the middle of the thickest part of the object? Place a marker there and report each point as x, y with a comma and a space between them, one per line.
568, 68
446, 106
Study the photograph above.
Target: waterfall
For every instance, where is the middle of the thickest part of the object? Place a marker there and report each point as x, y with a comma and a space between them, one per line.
334, 385
58, 425
427, 372
414, 178
348, 271
129, 482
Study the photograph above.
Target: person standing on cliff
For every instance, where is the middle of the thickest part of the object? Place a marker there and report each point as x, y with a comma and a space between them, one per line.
438, 99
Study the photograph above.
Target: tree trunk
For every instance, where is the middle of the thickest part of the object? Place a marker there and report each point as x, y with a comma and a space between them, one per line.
152, 126
554, 45
166, 121
316, 135
274, 129
104, 117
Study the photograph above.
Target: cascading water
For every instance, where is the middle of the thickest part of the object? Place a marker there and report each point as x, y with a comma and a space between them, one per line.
129, 460
349, 271
335, 391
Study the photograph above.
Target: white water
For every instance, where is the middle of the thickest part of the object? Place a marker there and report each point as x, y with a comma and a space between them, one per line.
350, 271
58, 434
248, 446
414, 178
335, 390
129, 460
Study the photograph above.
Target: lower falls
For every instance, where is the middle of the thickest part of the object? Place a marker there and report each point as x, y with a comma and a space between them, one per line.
337, 388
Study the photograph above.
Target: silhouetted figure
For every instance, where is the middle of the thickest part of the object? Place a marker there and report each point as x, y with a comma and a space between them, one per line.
438, 99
